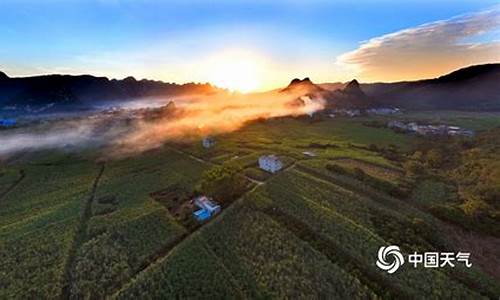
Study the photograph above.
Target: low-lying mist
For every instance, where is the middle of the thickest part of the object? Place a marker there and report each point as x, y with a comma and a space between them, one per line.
131, 131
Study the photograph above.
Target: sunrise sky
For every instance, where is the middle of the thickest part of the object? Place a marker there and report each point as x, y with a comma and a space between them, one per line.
247, 45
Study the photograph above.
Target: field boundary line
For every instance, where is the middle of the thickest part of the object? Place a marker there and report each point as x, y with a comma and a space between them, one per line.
79, 238
235, 281
22, 175
198, 159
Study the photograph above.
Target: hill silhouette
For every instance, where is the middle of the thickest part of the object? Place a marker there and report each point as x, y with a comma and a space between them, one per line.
470, 88
63, 91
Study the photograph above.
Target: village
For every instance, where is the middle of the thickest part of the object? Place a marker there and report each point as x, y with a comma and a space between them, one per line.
381, 111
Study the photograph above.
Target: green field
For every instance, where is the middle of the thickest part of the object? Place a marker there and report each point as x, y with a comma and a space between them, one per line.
81, 226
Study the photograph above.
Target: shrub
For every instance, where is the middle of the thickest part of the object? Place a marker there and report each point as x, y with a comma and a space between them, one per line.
414, 167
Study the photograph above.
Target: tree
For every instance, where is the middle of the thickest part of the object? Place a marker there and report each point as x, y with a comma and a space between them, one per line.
223, 183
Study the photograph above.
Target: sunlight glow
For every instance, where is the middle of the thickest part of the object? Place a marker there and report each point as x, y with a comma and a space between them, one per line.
235, 71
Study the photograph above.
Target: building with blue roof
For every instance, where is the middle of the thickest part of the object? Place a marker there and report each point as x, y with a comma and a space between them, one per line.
202, 215
207, 208
7, 122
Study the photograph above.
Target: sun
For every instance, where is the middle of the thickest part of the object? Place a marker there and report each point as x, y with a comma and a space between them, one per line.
236, 72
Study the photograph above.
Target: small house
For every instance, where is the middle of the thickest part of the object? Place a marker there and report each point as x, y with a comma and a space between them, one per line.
309, 153
270, 163
208, 142
207, 208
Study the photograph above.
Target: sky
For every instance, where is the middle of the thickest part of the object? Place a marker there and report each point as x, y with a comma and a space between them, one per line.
247, 45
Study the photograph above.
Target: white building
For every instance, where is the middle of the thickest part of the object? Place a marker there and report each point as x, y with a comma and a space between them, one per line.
208, 142
270, 163
203, 202
309, 153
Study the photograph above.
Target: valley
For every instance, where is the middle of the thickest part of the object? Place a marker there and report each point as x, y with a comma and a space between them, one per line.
86, 226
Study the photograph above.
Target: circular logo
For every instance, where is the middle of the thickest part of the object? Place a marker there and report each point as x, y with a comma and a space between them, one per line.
390, 259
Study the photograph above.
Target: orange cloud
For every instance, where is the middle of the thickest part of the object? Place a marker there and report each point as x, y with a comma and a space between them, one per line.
214, 114
428, 50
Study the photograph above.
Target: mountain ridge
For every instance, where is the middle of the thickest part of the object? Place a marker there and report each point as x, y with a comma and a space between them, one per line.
470, 88
84, 90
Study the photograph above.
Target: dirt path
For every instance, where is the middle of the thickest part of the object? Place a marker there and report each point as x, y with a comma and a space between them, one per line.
198, 159
80, 238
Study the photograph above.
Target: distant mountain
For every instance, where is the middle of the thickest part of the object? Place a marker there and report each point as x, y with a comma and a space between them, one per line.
332, 86
349, 96
3, 76
305, 86
471, 88
64, 91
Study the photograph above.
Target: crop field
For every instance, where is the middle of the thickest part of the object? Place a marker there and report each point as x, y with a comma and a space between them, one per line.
137, 227
190, 271
382, 172
38, 222
345, 225
269, 261
328, 138
8, 177
79, 226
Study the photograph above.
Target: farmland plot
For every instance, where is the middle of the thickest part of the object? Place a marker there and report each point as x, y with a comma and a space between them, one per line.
269, 261
138, 228
190, 271
350, 235
38, 222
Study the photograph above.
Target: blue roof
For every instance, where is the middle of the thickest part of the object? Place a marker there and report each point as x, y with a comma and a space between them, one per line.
202, 214
7, 122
